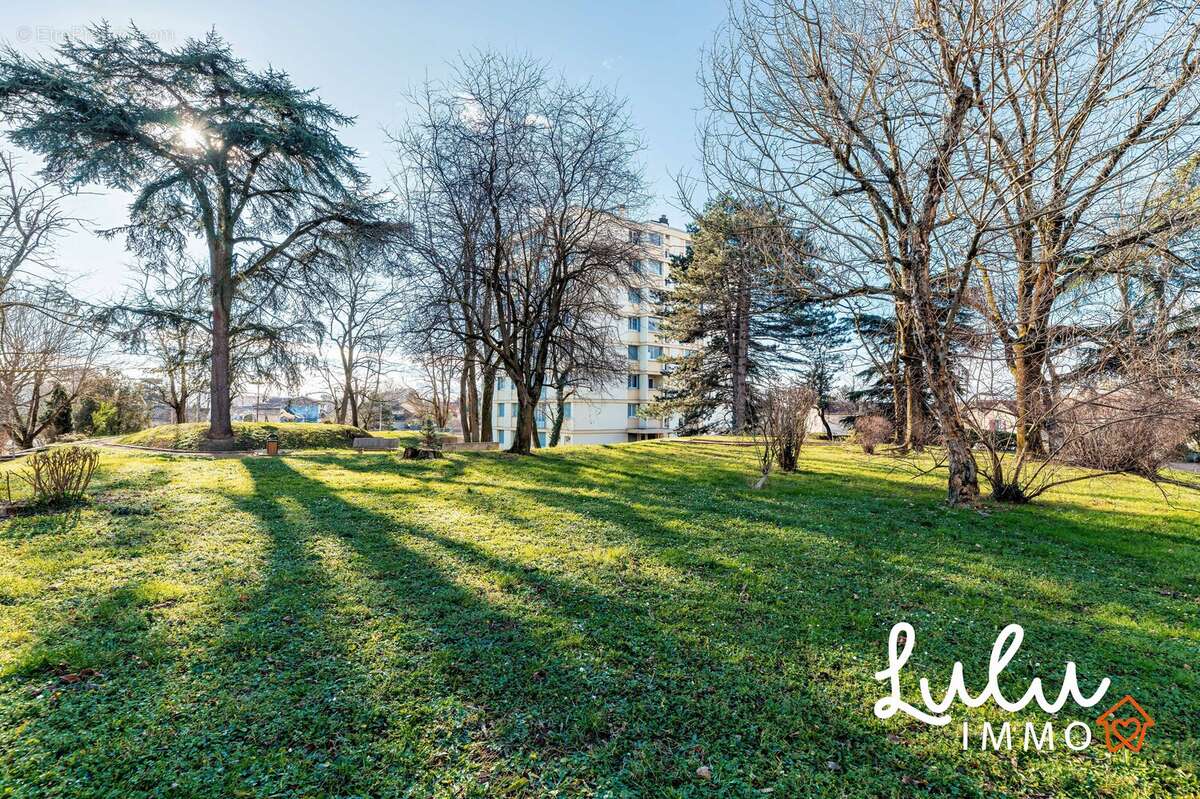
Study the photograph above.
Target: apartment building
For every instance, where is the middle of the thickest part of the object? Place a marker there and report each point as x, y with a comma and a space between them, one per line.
616, 412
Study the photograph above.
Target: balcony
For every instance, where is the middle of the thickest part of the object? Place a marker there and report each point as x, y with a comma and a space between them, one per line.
638, 423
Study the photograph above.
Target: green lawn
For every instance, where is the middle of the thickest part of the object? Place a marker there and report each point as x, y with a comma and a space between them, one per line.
598, 621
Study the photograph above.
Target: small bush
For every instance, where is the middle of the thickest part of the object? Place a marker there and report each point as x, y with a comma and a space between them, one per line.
429, 436
60, 475
105, 421
871, 431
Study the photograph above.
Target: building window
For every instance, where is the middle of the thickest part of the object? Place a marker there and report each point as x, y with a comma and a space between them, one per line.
500, 410
514, 410
651, 323
566, 410
541, 439
651, 382
631, 409
499, 383
499, 436
633, 352
655, 353
636, 266
634, 380
635, 323
635, 296
539, 416
656, 267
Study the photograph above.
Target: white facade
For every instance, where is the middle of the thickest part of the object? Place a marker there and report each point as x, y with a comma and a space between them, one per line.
615, 412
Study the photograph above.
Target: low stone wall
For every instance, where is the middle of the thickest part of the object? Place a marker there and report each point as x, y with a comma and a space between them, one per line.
471, 446
362, 444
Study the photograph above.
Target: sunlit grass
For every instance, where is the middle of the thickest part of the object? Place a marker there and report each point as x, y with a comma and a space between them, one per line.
598, 621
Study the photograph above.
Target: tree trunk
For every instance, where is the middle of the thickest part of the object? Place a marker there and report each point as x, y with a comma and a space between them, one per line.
180, 409
349, 396
1027, 375
824, 423
739, 365
963, 486
473, 397
220, 424
899, 403
524, 432
464, 409
914, 414
486, 402
914, 383
559, 408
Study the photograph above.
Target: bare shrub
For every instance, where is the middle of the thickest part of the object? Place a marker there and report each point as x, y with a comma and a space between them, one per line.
782, 427
871, 431
60, 475
1129, 432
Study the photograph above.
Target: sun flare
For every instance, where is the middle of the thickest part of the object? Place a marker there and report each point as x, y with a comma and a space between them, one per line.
191, 137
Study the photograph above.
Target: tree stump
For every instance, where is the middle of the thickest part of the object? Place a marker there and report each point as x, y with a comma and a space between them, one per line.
420, 454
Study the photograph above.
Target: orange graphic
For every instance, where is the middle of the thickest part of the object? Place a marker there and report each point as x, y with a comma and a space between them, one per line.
1123, 730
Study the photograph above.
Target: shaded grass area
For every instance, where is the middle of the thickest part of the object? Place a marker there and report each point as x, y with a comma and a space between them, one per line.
248, 435
599, 621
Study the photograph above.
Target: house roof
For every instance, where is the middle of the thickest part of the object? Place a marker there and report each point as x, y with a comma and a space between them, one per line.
993, 404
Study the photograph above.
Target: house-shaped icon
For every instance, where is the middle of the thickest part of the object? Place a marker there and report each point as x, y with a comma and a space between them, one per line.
1125, 725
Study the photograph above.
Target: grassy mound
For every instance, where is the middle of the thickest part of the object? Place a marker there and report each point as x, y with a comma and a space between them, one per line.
248, 435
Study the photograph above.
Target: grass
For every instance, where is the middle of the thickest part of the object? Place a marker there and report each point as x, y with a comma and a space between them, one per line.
598, 621
248, 435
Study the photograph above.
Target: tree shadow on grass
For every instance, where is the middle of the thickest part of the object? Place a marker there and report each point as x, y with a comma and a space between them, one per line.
913, 559
650, 705
375, 646
571, 688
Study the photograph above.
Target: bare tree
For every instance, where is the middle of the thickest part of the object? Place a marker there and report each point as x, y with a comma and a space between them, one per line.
465, 172
524, 180
871, 431
353, 295
439, 375
858, 119
1089, 109
174, 337
786, 409
781, 427
39, 349
32, 215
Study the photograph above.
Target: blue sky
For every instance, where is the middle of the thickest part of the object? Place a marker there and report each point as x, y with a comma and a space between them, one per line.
361, 56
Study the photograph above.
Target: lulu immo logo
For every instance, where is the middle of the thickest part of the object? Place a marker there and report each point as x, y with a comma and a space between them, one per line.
1125, 725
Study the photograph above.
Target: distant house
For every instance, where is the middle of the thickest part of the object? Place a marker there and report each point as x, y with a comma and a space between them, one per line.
278, 409
992, 414
839, 415
161, 414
